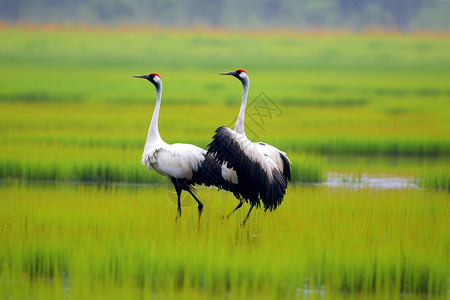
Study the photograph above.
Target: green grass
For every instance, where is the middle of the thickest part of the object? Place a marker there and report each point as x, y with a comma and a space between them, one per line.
122, 167
70, 110
100, 141
335, 94
115, 241
347, 103
435, 177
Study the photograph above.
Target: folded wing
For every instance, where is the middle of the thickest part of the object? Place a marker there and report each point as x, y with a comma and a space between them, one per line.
256, 170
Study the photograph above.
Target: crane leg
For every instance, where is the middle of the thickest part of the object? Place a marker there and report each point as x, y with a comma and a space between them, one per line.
237, 207
200, 205
178, 190
248, 214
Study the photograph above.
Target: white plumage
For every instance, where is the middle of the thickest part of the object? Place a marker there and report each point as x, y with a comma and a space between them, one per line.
176, 160
274, 154
263, 170
184, 164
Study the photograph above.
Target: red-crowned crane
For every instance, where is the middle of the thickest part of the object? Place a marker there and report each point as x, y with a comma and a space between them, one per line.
184, 164
262, 170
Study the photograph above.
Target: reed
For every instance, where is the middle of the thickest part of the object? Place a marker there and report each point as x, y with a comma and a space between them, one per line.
435, 177
121, 241
70, 111
118, 166
100, 142
328, 95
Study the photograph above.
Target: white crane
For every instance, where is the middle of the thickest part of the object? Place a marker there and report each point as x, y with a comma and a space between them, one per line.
262, 170
184, 164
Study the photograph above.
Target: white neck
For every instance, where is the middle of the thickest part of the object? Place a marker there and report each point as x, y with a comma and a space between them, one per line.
153, 133
239, 127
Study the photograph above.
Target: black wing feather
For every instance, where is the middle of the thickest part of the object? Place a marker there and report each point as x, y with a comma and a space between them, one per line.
252, 177
286, 167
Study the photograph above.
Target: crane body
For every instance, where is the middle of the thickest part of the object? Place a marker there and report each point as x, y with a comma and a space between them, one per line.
184, 164
263, 170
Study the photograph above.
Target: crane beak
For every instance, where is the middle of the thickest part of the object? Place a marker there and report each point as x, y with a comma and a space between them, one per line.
228, 73
142, 76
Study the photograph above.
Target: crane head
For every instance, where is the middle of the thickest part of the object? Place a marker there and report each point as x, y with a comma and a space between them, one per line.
152, 77
240, 74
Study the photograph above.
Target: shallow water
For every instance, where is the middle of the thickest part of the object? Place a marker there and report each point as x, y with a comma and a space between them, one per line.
334, 179
381, 181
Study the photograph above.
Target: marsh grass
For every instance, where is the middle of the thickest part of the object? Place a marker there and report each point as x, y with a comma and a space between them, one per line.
337, 94
103, 142
70, 111
119, 166
123, 241
308, 168
435, 177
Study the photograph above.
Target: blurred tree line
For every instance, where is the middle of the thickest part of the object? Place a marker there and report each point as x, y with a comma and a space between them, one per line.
302, 14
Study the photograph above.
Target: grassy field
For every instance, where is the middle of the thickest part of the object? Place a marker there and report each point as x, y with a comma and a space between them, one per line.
341, 103
115, 241
69, 94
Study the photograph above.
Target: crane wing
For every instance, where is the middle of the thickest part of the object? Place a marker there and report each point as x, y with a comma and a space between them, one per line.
279, 157
253, 167
177, 160
239, 153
